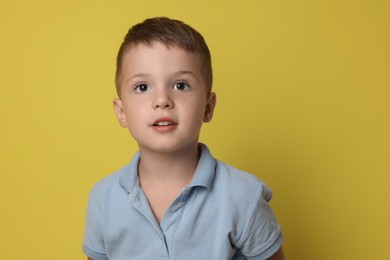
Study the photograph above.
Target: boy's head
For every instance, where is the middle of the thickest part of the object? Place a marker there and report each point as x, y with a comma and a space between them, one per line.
170, 33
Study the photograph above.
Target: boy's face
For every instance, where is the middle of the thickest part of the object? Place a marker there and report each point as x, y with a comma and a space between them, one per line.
163, 97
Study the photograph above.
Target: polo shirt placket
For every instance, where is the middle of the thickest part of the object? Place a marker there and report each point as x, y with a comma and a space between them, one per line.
169, 222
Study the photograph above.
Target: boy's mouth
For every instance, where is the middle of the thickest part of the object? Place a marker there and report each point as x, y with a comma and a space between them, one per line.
164, 122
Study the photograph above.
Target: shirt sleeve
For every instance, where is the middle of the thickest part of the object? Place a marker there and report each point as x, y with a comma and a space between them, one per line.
93, 243
262, 236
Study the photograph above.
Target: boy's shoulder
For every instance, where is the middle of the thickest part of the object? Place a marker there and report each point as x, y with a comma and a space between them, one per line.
119, 182
235, 174
227, 181
108, 185
239, 182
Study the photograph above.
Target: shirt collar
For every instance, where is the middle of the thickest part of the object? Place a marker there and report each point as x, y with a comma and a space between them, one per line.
129, 178
205, 171
203, 176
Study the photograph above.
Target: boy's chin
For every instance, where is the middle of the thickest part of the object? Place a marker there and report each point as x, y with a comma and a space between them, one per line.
168, 148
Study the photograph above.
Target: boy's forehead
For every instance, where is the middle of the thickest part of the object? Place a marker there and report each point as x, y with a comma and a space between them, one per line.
156, 45
156, 53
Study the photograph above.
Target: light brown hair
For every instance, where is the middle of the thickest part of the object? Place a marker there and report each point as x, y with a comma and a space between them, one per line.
169, 32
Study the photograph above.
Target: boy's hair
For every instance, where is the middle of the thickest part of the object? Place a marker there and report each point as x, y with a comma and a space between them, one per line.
169, 32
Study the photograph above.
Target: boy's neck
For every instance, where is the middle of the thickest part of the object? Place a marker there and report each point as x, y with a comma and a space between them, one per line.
175, 167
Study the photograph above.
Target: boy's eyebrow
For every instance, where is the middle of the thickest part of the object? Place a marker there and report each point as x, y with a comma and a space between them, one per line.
140, 75
178, 73
183, 72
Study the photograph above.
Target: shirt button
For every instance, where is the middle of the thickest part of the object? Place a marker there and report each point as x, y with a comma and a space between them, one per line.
182, 198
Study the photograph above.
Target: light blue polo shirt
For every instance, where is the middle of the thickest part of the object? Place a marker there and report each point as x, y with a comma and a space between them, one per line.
223, 213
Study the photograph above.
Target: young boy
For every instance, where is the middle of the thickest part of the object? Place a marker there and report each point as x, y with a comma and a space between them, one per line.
174, 200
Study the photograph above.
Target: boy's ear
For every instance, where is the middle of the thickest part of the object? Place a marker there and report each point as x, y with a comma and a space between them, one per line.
118, 109
210, 106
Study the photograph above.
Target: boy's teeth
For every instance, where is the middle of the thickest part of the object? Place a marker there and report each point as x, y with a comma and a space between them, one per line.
163, 123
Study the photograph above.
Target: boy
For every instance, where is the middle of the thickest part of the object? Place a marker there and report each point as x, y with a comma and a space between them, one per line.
174, 200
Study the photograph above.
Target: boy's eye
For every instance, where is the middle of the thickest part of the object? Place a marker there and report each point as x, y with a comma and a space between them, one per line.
181, 86
141, 87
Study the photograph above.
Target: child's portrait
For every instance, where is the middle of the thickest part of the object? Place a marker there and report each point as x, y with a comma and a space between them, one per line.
194, 130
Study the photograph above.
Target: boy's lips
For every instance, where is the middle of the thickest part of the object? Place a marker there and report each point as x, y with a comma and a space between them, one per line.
164, 124
163, 121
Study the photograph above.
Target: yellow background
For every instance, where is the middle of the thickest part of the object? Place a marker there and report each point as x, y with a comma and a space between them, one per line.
303, 102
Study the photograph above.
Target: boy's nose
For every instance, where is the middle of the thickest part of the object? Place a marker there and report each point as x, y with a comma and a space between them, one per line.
162, 100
